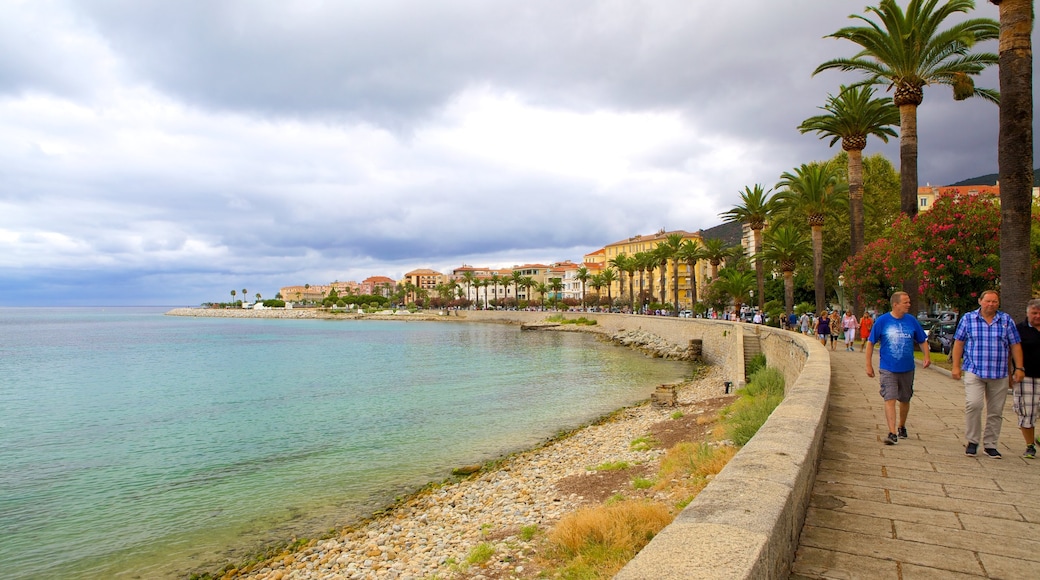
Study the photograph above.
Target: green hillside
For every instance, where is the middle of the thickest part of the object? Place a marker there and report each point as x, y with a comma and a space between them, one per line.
991, 179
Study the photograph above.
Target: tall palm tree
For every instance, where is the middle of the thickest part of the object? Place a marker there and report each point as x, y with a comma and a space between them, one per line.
691, 252
619, 263
233, 295
812, 191
754, 210
470, 278
673, 243
630, 267
609, 277
787, 247
852, 116
1015, 152
496, 281
527, 282
583, 276
597, 284
645, 265
556, 286
715, 251
663, 253
906, 51
516, 277
541, 289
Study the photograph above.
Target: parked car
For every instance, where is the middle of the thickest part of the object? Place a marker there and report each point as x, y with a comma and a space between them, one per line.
940, 337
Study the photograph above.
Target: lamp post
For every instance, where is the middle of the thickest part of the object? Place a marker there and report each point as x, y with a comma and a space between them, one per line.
841, 291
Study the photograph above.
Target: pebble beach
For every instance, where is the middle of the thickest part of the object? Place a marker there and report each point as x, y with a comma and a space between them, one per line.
430, 534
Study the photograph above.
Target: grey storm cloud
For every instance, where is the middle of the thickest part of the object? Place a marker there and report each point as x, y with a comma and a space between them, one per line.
160, 151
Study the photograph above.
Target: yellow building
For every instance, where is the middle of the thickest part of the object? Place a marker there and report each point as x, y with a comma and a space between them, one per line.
641, 244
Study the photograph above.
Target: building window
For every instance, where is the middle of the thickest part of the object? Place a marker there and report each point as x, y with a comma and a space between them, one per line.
924, 202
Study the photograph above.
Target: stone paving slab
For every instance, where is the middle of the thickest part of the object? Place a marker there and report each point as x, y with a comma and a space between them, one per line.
920, 509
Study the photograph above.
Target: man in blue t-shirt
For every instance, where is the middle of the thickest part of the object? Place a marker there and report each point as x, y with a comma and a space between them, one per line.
896, 332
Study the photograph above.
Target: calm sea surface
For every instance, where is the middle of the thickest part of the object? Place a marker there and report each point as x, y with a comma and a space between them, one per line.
134, 444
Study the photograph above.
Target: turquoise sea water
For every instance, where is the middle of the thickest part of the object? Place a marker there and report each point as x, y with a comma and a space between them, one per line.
134, 444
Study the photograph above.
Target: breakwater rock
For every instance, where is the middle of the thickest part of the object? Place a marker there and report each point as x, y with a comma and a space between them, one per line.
657, 347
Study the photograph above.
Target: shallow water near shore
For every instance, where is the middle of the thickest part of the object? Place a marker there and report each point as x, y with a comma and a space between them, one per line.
140, 445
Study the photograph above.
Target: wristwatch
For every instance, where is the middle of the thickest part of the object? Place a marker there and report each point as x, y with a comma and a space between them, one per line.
1020, 369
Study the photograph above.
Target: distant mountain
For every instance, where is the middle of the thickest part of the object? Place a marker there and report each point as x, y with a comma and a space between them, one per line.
991, 179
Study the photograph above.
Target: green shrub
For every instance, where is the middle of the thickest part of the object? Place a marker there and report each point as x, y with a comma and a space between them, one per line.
743, 418
757, 362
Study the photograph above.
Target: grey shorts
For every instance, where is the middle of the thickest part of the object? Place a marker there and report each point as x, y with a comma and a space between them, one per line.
897, 386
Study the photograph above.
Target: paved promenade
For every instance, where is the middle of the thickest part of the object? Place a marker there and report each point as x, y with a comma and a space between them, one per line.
919, 509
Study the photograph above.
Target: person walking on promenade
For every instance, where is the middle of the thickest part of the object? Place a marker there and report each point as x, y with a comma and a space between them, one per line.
849, 325
865, 324
835, 325
982, 341
1026, 393
896, 333
804, 323
822, 328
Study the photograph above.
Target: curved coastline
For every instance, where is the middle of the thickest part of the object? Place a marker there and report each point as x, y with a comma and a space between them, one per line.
745, 523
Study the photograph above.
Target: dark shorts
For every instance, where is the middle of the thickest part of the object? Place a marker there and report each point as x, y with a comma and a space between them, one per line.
897, 386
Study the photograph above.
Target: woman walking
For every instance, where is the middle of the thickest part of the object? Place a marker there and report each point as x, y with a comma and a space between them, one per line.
823, 328
849, 325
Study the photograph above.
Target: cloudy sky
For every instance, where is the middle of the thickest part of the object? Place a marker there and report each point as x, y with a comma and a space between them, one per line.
165, 152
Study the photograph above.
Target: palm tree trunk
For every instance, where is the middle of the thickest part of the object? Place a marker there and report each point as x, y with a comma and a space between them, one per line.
664, 283
908, 182
788, 291
818, 281
675, 285
1015, 154
760, 276
856, 228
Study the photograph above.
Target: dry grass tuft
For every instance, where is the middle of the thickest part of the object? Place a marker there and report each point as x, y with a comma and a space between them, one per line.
694, 460
601, 540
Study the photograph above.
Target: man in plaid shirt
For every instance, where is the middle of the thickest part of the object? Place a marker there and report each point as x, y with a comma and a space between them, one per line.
984, 338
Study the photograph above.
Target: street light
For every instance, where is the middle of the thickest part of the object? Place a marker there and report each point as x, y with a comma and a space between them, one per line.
841, 291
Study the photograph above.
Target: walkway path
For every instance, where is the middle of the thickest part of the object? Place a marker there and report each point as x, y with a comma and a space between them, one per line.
919, 509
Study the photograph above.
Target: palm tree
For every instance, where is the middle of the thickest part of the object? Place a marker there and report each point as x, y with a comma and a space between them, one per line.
597, 283
1015, 152
556, 286
715, 251
644, 263
674, 243
258, 297
541, 289
787, 247
691, 252
813, 191
245, 293
755, 209
852, 116
527, 282
470, 279
233, 296
737, 284
609, 277
663, 253
630, 269
516, 277
621, 262
496, 280
908, 51
583, 277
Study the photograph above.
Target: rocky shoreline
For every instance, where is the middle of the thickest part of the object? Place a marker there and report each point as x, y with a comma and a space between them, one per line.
430, 534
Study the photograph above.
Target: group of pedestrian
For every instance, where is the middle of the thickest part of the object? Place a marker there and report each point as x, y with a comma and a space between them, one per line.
990, 353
